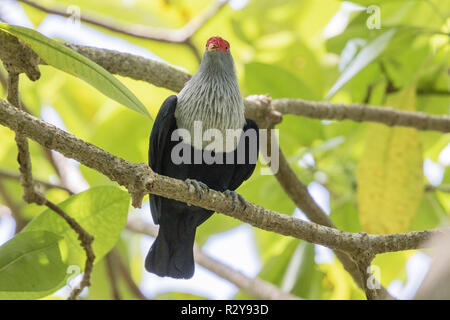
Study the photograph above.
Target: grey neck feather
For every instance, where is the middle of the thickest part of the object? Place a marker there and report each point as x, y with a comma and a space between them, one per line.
212, 96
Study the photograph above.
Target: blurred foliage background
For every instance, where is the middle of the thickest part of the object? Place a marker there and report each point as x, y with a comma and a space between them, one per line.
373, 178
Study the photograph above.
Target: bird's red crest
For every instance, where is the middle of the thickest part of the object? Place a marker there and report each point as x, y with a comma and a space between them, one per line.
217, 43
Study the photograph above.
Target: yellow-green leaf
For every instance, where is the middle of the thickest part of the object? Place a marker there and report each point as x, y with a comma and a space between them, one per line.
389, 173
31, 266
67, 60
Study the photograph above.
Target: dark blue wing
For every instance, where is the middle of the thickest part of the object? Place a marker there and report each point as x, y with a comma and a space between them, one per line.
162, 129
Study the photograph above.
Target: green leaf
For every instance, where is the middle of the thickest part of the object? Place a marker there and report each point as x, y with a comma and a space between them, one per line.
263, 78
274, 269
101, 211
67, 60
31, 266
345, 216
390, 174
308, 276
368, 54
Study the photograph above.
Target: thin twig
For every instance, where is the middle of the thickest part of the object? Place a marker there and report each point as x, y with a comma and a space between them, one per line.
126, 274
113, 277
4, 174
86, 242
14, 207
359, 113
162, 75
442, 188
182, 36
32, 195
326, 115
140, 180
56, 162
292, 186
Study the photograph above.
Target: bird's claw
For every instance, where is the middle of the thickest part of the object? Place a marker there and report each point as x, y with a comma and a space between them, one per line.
236, 196
198, 186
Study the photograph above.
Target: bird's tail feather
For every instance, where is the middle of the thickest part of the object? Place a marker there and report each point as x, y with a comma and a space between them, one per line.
168, 258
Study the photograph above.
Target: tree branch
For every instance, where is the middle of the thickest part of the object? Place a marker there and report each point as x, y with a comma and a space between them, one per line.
86, 242
140, 180
256, 287
112, 275
125, 272
163, 75
4, 174
267, 117
14, 207
30, 192
126, 64
32, 195
283, 106
442, 188
183, 35
359, 113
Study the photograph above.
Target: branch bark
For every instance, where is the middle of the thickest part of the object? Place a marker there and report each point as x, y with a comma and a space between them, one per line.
175, 79
140, 31
113, 277
359, 113
163, 75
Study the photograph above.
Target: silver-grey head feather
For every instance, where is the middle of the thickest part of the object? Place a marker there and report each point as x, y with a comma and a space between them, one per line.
212, 96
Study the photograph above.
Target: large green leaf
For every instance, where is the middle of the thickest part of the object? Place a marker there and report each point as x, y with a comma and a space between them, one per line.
367, 54
101, 211
30, 265
390, 173
263, 78
308, 276
67, 60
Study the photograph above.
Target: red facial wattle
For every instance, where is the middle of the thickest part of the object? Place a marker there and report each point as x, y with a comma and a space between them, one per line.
217, 43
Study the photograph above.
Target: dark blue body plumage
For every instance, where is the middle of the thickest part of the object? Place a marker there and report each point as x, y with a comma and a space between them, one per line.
172, 252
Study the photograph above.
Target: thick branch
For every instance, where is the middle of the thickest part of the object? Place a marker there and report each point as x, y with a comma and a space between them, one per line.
140, 31
17, 57
183, 35
267, 117
139, 179
163, 75
4, 174
125, 64
358, 113
168, 77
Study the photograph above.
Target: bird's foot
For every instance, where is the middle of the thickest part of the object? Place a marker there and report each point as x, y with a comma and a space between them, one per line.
198, 186
236, 196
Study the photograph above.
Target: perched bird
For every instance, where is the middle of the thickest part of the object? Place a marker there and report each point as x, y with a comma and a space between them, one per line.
211, 99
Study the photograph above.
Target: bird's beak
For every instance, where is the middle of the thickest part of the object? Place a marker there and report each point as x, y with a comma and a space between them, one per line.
212, 47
